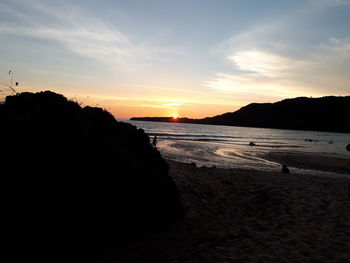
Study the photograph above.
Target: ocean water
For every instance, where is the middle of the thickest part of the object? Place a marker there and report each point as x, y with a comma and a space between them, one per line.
228, 146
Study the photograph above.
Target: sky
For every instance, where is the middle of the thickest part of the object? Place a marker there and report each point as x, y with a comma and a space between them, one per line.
193, 58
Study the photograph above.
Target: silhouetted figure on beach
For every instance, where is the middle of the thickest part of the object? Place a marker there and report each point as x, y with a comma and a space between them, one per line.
285, 169
348, 147
154, 143
252, 144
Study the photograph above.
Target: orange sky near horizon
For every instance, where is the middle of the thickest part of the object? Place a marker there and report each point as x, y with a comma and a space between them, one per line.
124, 108
152, 105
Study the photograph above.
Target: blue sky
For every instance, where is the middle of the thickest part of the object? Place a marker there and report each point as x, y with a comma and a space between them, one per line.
189, 58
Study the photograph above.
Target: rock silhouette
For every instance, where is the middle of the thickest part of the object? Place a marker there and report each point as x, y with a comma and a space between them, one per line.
285, 168
79, 181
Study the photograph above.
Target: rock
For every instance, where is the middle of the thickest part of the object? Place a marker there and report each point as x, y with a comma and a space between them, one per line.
284, 168
79, 181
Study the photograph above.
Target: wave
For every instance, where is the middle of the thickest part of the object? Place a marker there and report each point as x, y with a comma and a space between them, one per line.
224, 140
280, 146
214, 138
196, 140
190, 135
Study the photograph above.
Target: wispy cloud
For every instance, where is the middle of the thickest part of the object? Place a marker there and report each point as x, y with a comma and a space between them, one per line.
80, 33
262, 63
260, 72
279, 59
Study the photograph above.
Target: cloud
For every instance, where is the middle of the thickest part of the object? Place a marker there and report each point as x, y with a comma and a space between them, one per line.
262, 63
260, 72
286, 57
246, 88
80, 32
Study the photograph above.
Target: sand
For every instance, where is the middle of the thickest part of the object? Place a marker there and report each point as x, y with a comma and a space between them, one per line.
235, 215
310, 161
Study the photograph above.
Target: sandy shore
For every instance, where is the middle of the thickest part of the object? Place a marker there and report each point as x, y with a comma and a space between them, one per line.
237, 215
311, 161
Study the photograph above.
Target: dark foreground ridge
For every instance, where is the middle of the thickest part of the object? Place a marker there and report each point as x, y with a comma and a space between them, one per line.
80, 182
319, 114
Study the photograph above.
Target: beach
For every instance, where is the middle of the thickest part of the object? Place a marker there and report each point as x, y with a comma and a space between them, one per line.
240, 215
304, 152
339, 165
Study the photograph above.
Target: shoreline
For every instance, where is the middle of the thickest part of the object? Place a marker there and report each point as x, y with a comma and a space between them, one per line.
237, 215
310, 161
302, 163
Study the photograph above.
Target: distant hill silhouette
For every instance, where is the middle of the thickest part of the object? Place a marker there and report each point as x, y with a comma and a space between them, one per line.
319, 114
77, 181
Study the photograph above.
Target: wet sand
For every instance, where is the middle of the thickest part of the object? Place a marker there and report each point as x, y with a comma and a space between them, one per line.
235, 215
310, 161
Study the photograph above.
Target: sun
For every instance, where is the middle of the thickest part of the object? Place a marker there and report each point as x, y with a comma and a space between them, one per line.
175, 116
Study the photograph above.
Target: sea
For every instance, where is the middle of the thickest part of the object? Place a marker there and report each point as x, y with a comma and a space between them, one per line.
229, 146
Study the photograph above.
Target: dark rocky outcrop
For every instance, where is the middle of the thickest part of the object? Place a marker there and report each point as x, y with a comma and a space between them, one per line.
77, 181
319, 114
